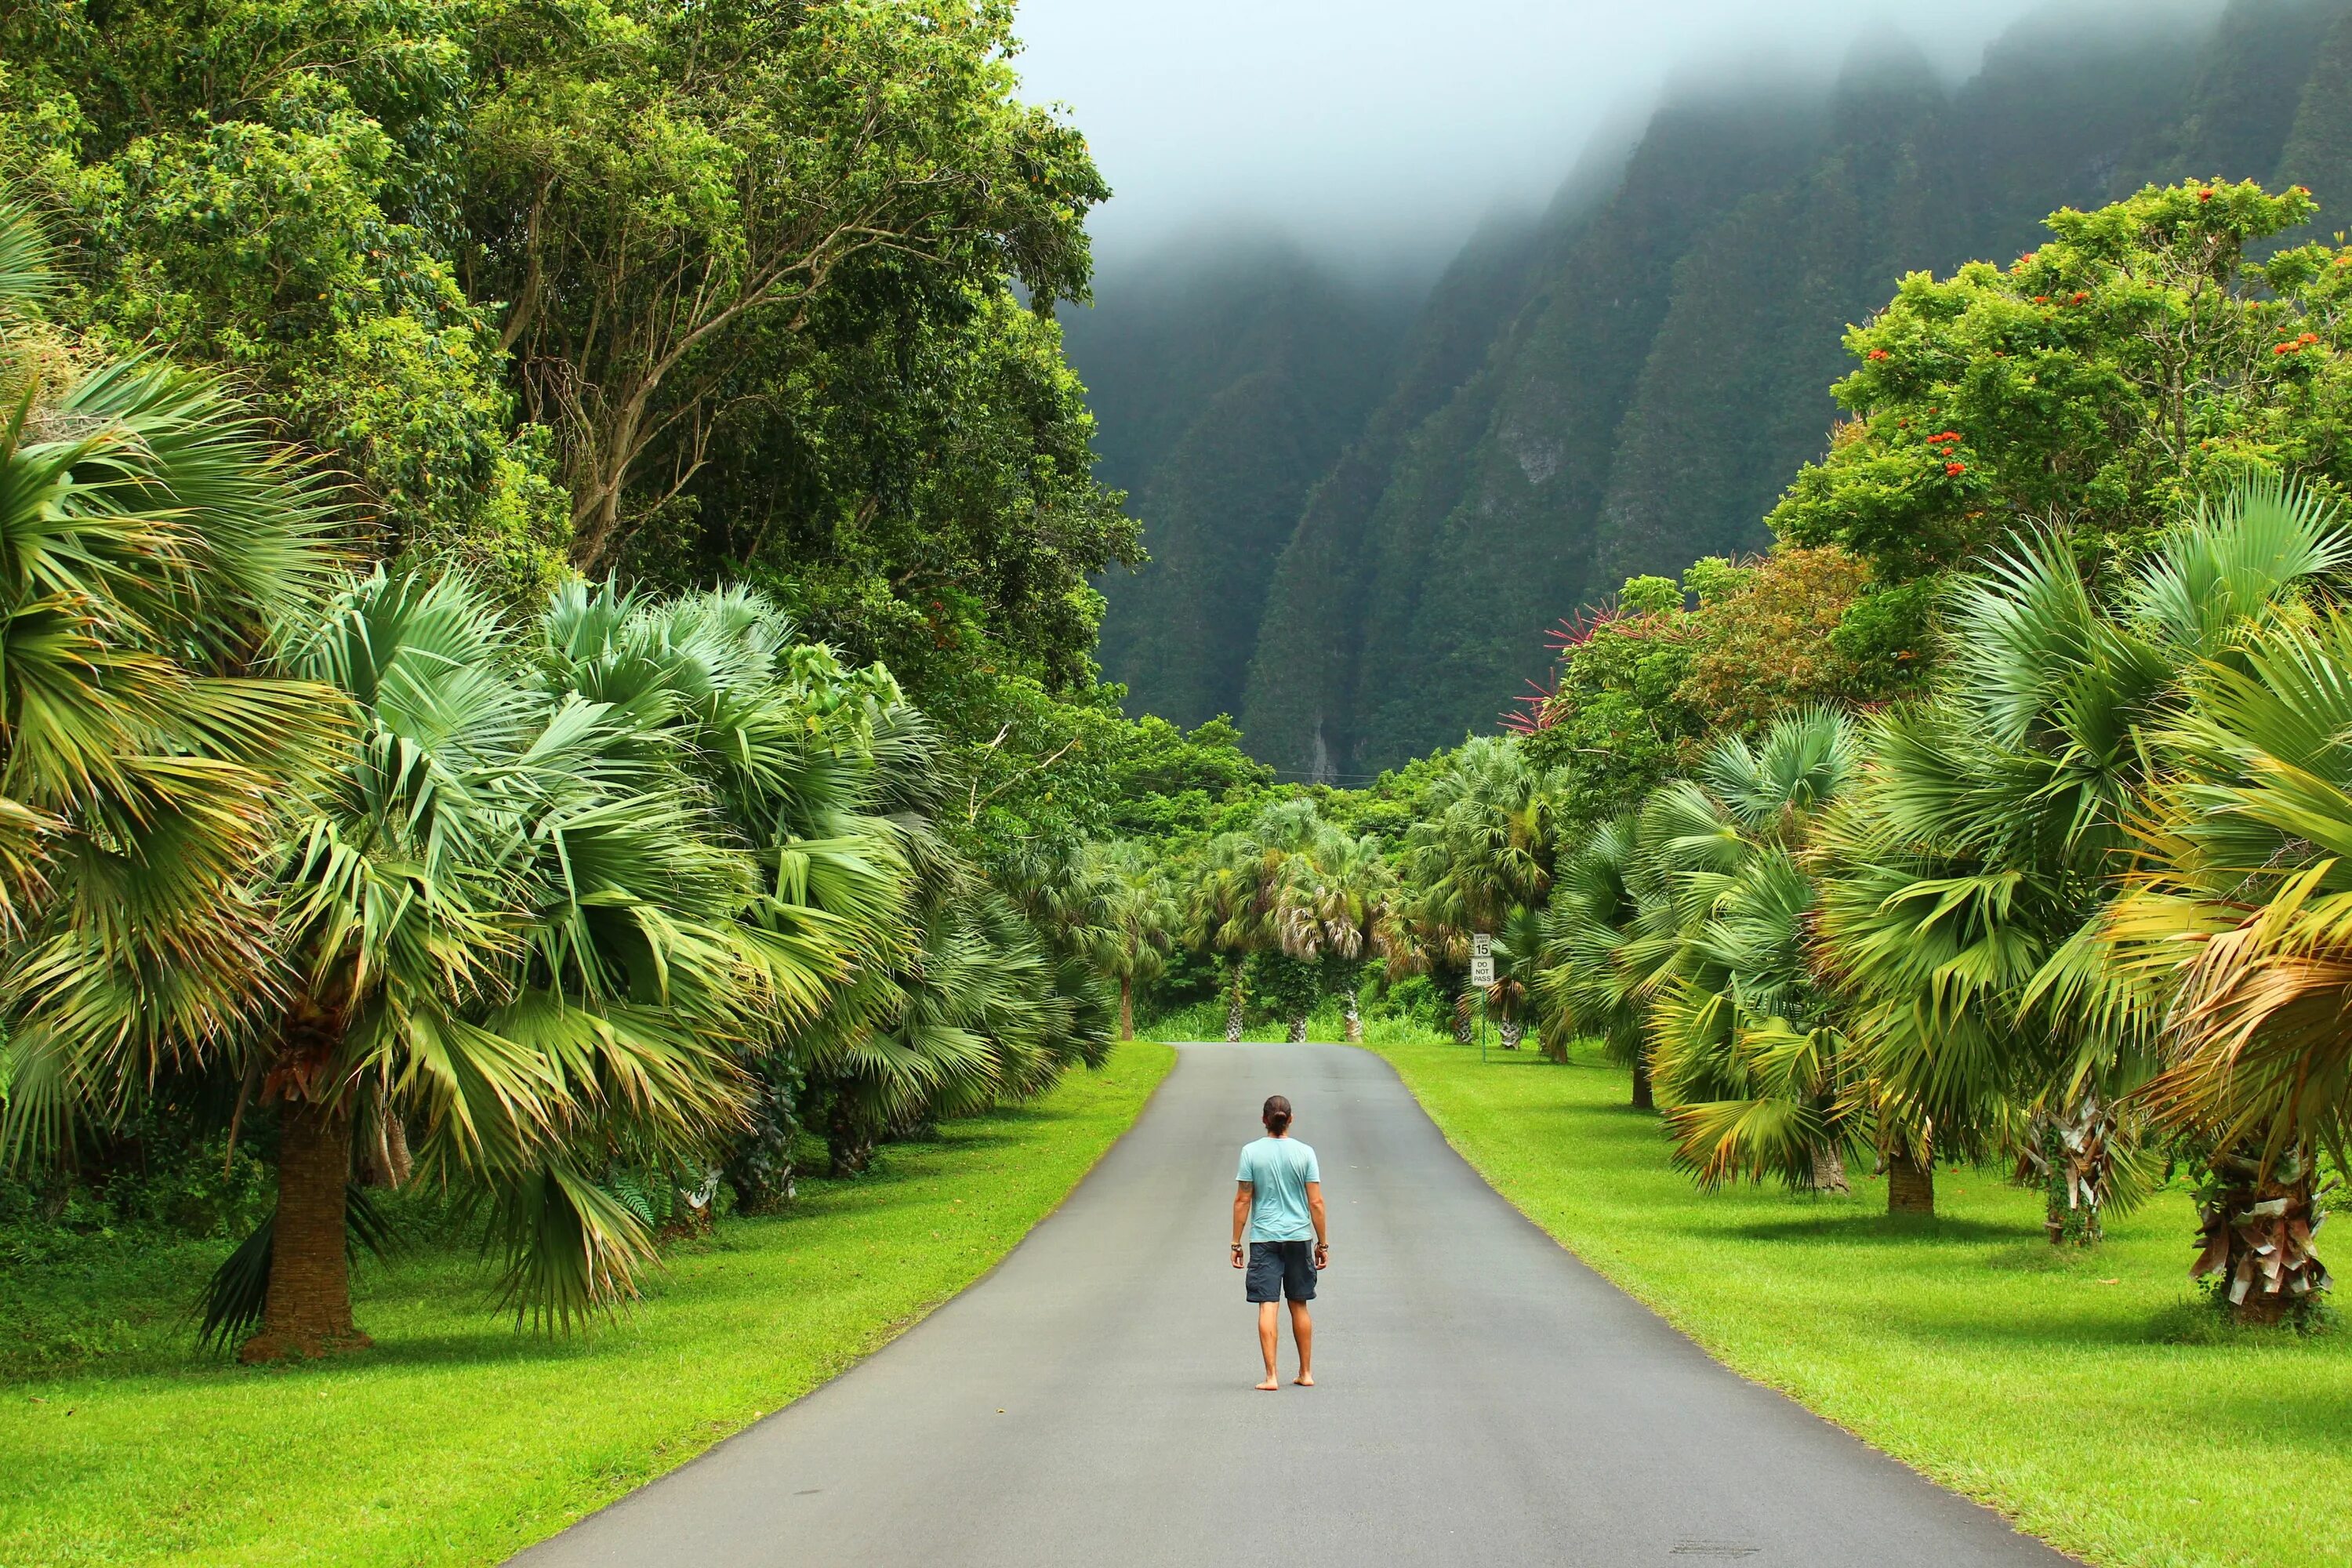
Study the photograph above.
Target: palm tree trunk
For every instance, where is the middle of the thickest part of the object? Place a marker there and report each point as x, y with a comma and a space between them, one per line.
1509, 1029
307, 1312
1126, 1007
1644, 1096
1463, 1028
1910, 1185
1355, 1030
1829, 1170
1233, 1003
1299, 1030
2256, 1231
2075, 1167
849, 1141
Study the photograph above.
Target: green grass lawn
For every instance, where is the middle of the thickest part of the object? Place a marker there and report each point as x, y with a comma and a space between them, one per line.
457, 1440
2091, 1398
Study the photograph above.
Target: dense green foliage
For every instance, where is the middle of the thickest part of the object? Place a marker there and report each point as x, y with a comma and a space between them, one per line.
1632, 382
704, 295
347, 831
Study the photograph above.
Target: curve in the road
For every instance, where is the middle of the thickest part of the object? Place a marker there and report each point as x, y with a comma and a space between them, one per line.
1483, 1397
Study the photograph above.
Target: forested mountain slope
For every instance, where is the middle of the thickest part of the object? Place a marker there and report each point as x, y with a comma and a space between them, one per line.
1628, 383
1226, 383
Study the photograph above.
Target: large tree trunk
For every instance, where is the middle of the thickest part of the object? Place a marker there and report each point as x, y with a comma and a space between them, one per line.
1465, 1025
1299, 1030
1644, 1098
1355, 1030
1126, 1007
1234, 1007
1509, 1029
2255, 1233
1829, 1170
309, 1307
1910, 1185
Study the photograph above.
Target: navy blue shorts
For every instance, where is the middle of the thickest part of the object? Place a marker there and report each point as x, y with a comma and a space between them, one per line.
1279, 1268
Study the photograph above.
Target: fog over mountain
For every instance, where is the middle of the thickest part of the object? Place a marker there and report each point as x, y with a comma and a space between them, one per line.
1382, 131
1386, 416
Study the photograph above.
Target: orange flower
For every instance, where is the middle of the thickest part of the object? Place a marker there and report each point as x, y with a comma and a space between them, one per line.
1878, 353
1956, 470
2204, 195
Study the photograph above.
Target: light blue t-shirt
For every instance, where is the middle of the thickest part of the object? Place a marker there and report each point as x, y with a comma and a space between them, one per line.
1277, 1170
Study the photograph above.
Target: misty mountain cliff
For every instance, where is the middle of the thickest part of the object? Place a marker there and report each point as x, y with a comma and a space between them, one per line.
1225, 386
1363, 516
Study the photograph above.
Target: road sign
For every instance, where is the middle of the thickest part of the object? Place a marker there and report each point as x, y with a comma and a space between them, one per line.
1482, 959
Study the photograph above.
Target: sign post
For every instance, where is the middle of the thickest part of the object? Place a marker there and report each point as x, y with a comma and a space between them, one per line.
1482, 977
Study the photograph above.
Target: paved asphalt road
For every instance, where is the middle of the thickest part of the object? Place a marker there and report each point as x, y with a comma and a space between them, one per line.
1481, 1397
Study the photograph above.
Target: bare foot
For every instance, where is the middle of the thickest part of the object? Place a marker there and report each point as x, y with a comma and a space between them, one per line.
1305, 1380
1271, 1385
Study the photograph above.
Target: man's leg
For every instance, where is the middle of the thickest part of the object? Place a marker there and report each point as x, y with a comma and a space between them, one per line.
1302, 1330
1269, 1333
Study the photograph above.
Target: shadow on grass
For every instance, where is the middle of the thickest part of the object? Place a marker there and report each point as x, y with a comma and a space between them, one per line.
1868, 1229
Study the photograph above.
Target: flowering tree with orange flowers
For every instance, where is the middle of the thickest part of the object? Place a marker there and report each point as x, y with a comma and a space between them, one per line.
2147, 353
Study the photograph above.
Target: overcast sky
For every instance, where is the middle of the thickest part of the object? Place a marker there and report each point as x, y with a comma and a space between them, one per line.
1399, 122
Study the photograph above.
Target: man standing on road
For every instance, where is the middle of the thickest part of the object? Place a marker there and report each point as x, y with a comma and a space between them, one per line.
1279, 1205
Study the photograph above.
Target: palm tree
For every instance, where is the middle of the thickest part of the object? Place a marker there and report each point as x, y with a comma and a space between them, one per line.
497, 917
149, 540
1615, 935
1580, 990
1745, 1042
508, 920
827, 779
1518, 960
2234, 929
1339, 910
1969, 888
1136, 914
1246, 885
1483, 848
1221, 915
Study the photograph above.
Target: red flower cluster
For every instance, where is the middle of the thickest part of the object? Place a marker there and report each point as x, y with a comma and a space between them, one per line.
2296, 345
1943, 435
1956, 470
2080, 297
1878, 353
2204, 195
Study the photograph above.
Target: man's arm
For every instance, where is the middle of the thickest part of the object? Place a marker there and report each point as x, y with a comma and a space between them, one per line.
1241, 1192
1322, 1236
